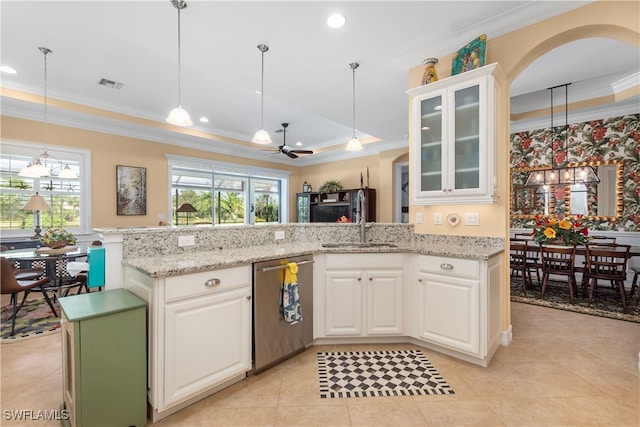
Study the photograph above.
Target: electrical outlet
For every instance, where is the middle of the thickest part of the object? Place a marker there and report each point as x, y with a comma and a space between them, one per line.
418, 217
279, 235
437, 218
186, 241
472, 218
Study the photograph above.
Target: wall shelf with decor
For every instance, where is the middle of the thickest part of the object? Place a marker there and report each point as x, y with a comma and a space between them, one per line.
330, 207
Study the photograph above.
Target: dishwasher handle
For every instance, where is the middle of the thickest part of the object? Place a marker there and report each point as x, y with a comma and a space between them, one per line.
282, 267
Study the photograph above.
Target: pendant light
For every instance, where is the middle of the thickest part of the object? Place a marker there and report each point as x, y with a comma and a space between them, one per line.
560, 174
262, 136
354, 144
39, 169
179, 116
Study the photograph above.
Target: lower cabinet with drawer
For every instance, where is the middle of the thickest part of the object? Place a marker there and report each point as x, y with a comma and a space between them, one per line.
202, 336
459, 304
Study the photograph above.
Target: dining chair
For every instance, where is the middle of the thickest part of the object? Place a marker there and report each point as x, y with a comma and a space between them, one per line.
558, 260
634, 282
9, 285
608, 262
518, 262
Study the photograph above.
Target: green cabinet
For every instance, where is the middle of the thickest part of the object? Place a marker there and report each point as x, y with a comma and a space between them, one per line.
104, 359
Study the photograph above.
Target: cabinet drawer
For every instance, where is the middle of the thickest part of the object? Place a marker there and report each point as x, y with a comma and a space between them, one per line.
206, 282
363, 261
458, 267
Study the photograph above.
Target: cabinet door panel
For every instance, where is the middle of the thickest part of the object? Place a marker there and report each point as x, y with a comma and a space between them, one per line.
207, 341
384, 302
450, 312
343, 307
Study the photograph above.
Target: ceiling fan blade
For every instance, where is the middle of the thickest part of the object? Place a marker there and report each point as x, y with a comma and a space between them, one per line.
302, 151
290, 154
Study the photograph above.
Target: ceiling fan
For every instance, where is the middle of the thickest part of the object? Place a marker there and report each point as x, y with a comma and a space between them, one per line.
285, 149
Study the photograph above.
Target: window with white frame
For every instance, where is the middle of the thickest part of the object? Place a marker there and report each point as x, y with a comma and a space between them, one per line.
222, 193
69, 199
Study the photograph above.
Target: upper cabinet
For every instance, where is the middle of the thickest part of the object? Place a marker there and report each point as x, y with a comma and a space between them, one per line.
453, 126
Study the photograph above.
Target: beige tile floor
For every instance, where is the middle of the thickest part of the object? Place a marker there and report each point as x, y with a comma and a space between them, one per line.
562, 369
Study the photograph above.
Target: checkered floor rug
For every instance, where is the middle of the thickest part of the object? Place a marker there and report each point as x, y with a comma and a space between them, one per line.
378, 373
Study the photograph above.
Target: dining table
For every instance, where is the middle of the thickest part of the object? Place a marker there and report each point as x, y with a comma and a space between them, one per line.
55, 262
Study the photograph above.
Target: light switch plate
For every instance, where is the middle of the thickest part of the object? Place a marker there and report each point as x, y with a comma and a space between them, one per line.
437, 218
186, 241
279, 235
472, 218
418, 217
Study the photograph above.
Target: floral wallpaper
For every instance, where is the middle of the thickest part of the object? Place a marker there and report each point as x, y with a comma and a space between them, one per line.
615, 138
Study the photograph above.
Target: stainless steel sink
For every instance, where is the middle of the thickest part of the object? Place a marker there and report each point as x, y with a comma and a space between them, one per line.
355, 245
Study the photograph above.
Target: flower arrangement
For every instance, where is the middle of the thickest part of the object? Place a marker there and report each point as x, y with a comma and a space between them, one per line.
343, 219
57, 238
550, 230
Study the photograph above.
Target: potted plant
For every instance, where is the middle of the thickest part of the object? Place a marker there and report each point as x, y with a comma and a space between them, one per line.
57, 238
330, 186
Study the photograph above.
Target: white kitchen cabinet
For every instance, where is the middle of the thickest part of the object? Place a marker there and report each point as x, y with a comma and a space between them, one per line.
454, 124
201, 334
459, 303
363, 295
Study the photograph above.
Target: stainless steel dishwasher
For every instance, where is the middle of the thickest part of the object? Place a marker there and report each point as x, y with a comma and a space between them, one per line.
273, 338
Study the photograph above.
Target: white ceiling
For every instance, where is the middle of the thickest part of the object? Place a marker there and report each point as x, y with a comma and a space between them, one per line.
307, 79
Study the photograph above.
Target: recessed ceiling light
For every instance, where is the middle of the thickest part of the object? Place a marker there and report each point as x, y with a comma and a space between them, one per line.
204, 120
298, 143
438, 107
7, 69
336, 20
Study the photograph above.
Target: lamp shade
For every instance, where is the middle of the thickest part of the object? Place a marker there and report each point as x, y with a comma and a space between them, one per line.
36, 203
354, 145
261, 137
179, 117
187, 207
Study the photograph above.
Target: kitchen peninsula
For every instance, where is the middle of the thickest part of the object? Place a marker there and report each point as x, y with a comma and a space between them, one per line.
440, 292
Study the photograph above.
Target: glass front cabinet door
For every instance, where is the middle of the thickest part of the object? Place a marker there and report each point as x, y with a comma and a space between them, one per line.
453, 125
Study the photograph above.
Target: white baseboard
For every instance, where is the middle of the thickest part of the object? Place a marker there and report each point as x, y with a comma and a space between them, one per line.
507, 337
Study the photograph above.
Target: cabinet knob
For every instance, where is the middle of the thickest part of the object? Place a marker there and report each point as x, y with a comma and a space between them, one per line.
212, 282
370, 279
248, 297
446, 266
420, 280
359, 279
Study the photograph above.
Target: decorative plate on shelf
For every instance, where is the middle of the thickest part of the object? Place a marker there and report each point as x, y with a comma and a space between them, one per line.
470, 57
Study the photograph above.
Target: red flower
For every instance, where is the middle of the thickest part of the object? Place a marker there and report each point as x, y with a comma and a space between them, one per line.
526, 143
635, 135
560, 157
598, 133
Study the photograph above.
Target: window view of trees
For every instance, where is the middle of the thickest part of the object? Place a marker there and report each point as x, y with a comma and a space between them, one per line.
224, 199
62, 195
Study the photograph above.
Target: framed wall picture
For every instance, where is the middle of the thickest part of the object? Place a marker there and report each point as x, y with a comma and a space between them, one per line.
131, 190
470, 57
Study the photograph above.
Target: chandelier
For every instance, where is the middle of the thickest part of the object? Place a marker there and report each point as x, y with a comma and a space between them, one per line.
561, 174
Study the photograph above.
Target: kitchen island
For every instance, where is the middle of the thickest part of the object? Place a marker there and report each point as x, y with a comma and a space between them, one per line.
440, 292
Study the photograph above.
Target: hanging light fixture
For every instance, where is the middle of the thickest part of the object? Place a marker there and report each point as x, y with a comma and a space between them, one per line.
179, 116
354, 144
39, 169
561, 174
262, 136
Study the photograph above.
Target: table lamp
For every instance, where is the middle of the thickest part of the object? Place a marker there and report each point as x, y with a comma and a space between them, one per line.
37, 203
187, 207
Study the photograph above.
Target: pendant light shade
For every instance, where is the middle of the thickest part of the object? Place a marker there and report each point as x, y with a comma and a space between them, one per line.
262, 136
179, 116
354, 144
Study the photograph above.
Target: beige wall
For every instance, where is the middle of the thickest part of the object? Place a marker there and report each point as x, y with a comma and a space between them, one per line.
107, 151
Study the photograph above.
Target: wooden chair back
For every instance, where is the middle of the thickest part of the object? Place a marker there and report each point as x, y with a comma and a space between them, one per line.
558, 259
607, 261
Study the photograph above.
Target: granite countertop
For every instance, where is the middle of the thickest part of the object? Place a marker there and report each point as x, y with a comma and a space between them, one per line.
173, 265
